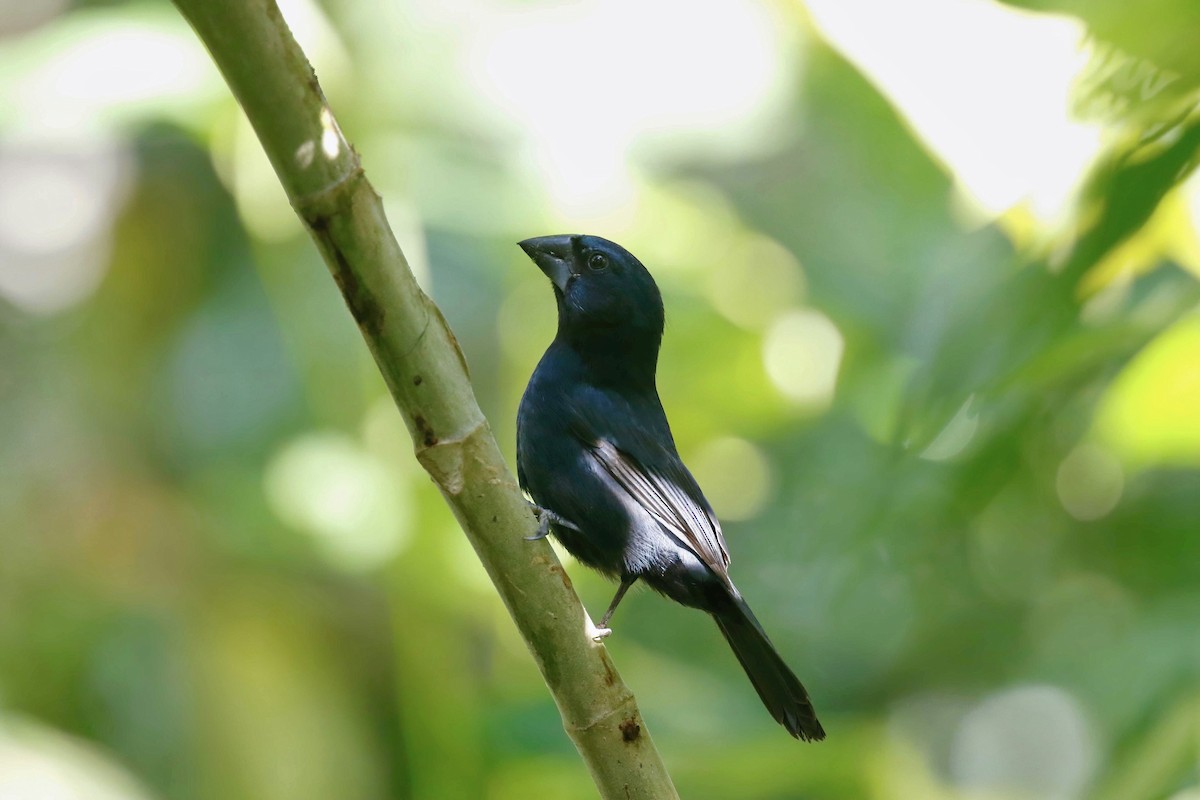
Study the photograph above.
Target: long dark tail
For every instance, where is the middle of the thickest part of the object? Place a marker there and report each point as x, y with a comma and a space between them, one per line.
780, 689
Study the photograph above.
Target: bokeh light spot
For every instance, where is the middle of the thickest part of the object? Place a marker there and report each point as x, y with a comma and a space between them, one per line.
735, 476
327, 486
755, 282
39, 762
109, 67
1031, 741
1012, 547
56, 209
803, 352
1089, 482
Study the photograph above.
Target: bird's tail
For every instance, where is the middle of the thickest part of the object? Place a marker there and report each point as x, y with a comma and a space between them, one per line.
780, 689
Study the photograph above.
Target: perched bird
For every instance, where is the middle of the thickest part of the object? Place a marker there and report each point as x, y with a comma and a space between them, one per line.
596, 455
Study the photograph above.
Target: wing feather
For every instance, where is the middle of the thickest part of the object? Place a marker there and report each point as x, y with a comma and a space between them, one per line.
692, 523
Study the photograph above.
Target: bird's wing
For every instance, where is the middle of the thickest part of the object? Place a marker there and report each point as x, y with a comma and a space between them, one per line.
645, 464
693, 524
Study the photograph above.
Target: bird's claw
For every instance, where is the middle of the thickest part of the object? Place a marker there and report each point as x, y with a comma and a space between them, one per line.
543, 529
598, 633
546, 518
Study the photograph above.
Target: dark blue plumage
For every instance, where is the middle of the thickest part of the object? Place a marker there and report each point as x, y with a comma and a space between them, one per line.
595, 452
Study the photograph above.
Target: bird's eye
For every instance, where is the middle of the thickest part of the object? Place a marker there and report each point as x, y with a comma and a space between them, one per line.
597, 262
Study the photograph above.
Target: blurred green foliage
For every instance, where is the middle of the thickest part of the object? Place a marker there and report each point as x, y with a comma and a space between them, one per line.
958, 459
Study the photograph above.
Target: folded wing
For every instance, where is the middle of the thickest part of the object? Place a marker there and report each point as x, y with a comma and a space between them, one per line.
692, 522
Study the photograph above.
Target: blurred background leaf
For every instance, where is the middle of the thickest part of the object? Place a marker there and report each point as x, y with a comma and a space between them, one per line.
932, 349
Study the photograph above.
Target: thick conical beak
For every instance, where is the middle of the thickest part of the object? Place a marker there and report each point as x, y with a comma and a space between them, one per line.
553, 255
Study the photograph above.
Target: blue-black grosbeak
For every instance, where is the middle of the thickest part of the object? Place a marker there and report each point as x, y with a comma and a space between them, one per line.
595, 453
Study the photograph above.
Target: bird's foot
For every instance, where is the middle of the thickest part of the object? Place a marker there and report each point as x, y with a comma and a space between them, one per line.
546, 518
598, 633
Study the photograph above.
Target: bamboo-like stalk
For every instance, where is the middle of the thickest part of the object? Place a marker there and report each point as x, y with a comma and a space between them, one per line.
426, 374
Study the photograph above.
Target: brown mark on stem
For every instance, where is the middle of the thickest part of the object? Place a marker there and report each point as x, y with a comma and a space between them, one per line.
424, 431
562, 574
365, 309
610, 674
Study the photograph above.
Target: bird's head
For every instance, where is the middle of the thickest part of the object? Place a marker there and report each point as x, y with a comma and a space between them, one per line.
602, 290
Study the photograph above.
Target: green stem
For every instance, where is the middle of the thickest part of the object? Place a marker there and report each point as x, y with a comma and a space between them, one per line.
426, 374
